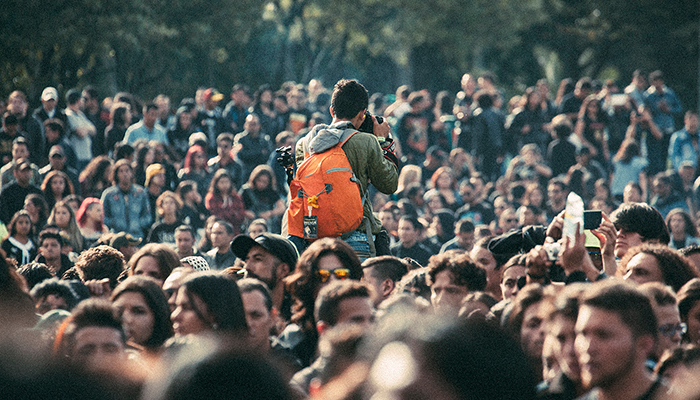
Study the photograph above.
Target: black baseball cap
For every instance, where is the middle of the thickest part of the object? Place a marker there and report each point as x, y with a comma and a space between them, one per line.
277, 245
122, 239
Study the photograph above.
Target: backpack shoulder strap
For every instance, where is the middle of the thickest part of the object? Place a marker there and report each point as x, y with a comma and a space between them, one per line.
347, 134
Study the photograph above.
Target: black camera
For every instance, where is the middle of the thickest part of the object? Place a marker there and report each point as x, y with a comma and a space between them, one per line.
368, 123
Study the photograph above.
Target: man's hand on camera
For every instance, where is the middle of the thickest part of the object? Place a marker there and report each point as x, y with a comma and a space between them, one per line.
382, 129
537, 264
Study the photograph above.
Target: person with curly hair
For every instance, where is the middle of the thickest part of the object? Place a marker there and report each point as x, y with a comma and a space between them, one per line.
324, 261
453, 275
96, 177
657, 263
52, 294
99, 268
683, 231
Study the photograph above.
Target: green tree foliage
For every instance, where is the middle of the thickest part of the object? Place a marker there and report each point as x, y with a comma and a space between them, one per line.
153, 46
141, 46
610, 39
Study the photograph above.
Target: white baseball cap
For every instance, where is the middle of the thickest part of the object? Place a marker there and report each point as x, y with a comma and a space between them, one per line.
50, 93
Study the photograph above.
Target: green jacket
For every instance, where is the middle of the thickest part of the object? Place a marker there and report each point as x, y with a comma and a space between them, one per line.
364, 154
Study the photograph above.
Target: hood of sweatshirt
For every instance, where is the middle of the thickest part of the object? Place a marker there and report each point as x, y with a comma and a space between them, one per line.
322, 137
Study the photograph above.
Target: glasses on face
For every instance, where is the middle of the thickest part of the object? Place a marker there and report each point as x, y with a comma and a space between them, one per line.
340, 273
669, 330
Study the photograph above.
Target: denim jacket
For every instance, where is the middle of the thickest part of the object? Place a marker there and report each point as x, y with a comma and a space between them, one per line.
664, 120
116, 216
681, 149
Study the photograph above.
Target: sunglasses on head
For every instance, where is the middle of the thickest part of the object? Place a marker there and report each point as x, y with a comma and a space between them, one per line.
340, 273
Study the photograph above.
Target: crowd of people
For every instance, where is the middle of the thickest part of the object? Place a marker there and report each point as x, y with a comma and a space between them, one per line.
147, 255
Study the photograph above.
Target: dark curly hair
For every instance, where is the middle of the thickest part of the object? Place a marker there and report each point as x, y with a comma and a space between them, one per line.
464, 271
58, 287
100, 262
305, 283
675, 268
95, 172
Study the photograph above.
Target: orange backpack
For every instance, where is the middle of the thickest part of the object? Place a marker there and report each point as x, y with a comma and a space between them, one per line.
325, 196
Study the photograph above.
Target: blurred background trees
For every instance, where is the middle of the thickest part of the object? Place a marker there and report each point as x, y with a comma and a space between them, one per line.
155, 46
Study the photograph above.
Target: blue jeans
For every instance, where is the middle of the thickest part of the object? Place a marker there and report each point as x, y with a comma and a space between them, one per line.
357, 240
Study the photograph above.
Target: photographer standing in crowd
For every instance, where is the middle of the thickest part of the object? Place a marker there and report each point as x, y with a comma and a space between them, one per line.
370, 155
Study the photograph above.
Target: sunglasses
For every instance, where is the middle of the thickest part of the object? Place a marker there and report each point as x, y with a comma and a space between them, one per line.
671, 329
340, 273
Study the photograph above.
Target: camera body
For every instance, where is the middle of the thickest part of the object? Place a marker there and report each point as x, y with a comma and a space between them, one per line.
552, 249
368, 124
591, 220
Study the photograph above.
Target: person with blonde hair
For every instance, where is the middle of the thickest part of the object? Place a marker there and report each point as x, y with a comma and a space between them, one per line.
63, 216
409, 174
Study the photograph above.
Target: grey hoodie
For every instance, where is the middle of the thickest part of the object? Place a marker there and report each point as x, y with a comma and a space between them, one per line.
322, 137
